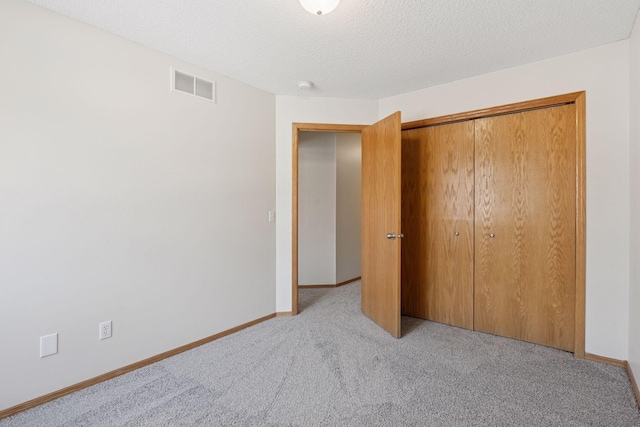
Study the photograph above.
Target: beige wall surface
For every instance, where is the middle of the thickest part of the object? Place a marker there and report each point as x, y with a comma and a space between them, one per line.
348, 206
316, 208
121, 200
604, 73
634, 169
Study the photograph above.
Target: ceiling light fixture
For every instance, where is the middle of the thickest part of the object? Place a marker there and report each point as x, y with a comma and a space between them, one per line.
319, 7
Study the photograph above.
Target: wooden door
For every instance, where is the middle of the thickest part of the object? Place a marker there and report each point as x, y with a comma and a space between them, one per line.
437, 220
381, 161
525, 226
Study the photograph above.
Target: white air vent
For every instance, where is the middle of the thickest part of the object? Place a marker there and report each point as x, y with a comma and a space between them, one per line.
192, 85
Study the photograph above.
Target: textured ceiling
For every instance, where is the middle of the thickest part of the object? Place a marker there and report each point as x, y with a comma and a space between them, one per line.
363, 49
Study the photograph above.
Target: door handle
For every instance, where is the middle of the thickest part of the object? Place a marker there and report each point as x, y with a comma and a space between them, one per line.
392, 236
492, 235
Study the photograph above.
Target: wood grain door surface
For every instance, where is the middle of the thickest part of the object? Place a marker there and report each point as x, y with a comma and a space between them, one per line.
525, 219
437, 220
381, 198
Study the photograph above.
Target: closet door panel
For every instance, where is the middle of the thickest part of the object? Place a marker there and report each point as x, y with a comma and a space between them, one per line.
525, 226
437, 205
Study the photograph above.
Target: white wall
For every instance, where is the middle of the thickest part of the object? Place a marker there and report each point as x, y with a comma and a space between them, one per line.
316, 208
634, 163
604, 73
122, 201
289, 110
348, 206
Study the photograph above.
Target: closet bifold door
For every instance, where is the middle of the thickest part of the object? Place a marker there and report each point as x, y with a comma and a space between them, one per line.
437, 221
525, 226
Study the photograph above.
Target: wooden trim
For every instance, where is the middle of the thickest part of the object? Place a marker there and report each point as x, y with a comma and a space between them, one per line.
621, 364
321, 127
495, 111
297, 128
284, 314
634, 384
337, 285
316, 286
126, 369
294, 222
581, 224
606, 360
346, 282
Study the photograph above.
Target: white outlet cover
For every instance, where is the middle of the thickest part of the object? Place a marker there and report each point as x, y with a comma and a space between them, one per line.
48, 345
104, 330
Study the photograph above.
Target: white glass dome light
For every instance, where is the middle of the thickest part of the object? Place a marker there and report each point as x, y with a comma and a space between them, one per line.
319, 7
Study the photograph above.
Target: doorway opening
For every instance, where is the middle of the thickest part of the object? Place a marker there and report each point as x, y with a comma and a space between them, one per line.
323, 180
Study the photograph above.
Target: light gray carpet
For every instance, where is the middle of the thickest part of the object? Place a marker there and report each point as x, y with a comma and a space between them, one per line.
331, 366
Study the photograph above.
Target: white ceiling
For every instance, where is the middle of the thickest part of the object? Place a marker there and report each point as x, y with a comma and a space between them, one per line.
363, 49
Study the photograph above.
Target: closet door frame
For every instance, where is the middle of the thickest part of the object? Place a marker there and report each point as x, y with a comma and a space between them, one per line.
579, 99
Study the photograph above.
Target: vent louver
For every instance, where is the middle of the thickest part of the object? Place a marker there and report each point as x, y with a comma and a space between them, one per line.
192, 85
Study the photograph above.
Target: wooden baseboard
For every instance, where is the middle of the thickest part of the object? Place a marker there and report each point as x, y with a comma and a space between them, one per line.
116, 373
622, 364
607, 360
284, 313
634, 384
315, 286
346, 282
337, 285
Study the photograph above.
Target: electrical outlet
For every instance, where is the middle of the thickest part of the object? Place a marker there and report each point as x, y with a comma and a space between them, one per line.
48, 345
105, 330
